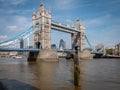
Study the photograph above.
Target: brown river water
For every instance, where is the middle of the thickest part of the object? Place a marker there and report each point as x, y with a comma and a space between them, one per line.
97, 74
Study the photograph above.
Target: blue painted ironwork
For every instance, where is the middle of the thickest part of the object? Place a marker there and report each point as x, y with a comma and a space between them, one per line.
23, 35
31, 30
94, 51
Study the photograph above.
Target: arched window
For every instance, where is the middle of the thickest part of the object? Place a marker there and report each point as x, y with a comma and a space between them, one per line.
37, 23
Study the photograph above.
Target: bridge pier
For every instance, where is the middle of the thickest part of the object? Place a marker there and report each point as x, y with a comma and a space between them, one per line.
85, 55
44, 54
32, 56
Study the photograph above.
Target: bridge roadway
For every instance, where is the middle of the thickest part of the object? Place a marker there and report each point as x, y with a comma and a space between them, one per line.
19, 50
63, 27
37, 50
28, 50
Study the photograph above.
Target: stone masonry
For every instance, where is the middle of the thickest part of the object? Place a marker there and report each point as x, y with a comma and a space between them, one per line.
42, 36
78, 39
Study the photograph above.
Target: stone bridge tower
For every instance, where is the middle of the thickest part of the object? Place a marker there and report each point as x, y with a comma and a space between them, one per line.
78, 39
42, 35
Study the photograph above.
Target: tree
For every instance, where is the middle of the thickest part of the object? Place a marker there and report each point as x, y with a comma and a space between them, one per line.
109, 51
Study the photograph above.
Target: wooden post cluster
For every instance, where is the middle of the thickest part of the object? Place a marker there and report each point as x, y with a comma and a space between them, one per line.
76, 67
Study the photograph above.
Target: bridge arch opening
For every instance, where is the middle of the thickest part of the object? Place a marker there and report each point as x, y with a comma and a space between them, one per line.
57, 36
38, 45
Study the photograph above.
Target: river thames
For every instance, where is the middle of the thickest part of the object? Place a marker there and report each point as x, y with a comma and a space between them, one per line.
96, 74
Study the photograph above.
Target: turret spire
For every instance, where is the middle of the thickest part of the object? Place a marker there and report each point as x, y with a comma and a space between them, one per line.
41, 7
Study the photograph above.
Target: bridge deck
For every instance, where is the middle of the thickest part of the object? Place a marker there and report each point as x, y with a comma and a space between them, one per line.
19, 50
28, 50
63, 28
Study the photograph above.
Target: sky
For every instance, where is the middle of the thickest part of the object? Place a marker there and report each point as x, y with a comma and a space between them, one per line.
100, 17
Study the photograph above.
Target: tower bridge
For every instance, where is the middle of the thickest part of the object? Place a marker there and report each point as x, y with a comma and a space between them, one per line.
43, 35
42, 24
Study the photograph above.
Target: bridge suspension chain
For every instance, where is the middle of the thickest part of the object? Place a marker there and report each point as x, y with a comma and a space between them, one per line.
23, 35
93, 49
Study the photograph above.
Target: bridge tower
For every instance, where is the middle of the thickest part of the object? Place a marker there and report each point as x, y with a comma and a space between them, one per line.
42, 35
78, 38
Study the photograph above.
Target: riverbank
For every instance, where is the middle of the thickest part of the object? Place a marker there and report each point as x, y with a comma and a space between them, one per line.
111, 56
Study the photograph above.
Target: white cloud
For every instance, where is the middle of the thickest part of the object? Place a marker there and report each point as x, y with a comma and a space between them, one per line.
2, 37
2, 20
15, 2
12, 28
69, 21
12, 2
98, 21
65, 4
69, 4
15, 23
104, 29
21, 19
14, 11
22, 22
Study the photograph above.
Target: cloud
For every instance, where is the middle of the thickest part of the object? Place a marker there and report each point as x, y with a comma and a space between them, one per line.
96, 28
12, 28
70, 4
2, 20
104, 29
15, 2
2, 37
11, 2
21, 19
65, 4
14, 11
69, 22
98, 20
16, 24
20, 23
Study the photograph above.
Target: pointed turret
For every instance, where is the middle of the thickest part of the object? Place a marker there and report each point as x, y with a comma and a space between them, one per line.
49, 11
41, 7
77, 24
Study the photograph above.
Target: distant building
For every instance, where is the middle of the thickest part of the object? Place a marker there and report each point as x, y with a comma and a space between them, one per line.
26, 43
117, 49
4, 54
62, 45
21, 43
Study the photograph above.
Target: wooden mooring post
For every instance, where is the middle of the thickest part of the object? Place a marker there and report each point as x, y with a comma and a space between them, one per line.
76, 67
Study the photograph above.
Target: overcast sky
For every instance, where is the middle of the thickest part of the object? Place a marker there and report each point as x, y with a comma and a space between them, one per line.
101, 18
